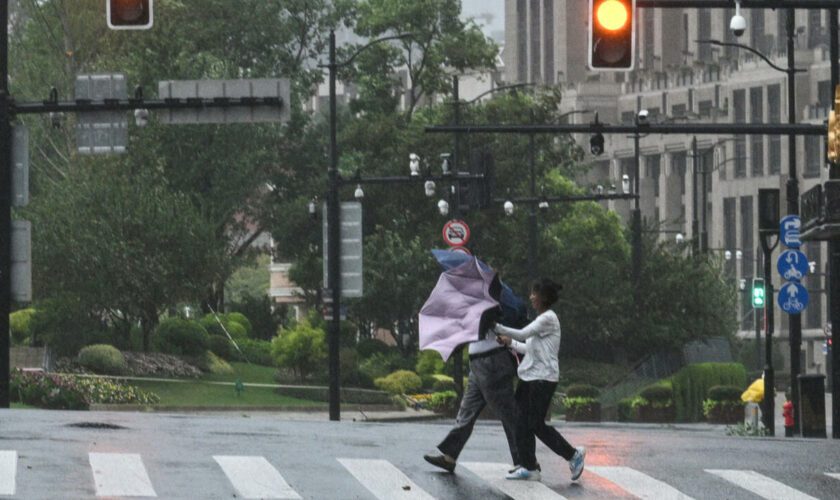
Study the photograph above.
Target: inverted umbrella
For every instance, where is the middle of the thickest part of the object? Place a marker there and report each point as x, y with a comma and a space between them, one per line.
452, 315
514, 310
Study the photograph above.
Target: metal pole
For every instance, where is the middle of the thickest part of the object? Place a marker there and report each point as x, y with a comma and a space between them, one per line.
458, 354
834, 250
334, 248
5, 208
637, 227
795, 320
757, 325
704, 233
532, 216
695, 223
769, 408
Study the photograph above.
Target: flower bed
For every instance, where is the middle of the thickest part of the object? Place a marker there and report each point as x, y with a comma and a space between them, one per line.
67, 392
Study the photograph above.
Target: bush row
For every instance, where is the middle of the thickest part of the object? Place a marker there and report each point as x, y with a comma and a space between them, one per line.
67, 392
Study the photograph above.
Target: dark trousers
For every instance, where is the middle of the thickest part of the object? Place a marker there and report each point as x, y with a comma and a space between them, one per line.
490, 381
533, 400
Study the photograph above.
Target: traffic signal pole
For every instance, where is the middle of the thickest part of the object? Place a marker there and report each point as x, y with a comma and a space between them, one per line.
834, 249
5, 208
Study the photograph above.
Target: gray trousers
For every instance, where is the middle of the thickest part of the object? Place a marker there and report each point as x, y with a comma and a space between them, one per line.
490, 381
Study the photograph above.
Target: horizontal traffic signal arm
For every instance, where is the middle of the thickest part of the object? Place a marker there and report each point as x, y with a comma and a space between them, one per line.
84, 105
408, 179
745, 4
567, 199
664, 129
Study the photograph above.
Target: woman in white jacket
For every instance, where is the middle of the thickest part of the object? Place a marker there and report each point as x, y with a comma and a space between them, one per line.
538, 376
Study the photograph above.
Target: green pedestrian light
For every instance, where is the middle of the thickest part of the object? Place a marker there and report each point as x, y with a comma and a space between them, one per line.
758, 298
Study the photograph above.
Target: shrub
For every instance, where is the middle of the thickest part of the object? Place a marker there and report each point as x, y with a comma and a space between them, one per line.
210, 363
240, 319
350, 373
725, 393
368, 347
581, 408
628, 409
582, 391
63, 326
443, 383
55, 392
103, 358
236, 331
302, 349
220, 346
692, 383
429, 363
254, 351
182, 337
20, 325
660, 393
379, 364
107, 391
400, 382
443, 402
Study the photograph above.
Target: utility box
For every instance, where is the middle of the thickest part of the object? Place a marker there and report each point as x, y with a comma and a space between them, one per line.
812, 405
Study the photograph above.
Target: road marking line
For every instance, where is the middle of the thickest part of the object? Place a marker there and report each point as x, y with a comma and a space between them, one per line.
760, 484
385, 481
638, 484
8, 470
835, 475
120, 475
494, 473
255, 477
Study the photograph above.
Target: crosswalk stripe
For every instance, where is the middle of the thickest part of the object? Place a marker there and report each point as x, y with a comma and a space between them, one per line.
760, 484
8, 470
255, 477
494, 474
637, 483
385, 481
120, 474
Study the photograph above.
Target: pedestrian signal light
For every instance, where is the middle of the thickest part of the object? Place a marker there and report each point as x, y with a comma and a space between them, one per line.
612, 37
129, 14
758, 293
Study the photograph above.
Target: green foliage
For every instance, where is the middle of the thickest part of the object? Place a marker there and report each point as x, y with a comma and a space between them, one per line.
182, 337
442, 383
252, 279
368, 347
108, 391
64, 326
240, 319
710, 405
628, 408
725, 393
745, 354
400, 382
210, 363
20, 325
429, 363
220, 346
379, 365
583, 371
351, 375
104, 359
746, 429
224, 323
49, 391
301, 348
582, 391
692, 383
661, 392
265, 316
443, 402
254, 351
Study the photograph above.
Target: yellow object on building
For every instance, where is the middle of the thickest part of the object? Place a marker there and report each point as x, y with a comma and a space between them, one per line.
754, 393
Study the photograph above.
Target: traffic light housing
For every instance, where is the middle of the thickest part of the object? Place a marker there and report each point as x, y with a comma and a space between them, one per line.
130, 14
758, 299
612, 34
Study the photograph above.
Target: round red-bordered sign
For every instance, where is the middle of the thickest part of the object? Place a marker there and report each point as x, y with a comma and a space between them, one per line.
463, 250
456, 233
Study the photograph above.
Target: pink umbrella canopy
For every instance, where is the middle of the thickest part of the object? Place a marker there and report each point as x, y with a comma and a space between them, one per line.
452, 314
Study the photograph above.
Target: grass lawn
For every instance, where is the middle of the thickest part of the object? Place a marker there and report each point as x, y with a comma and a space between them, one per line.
22, 406
201, 394
253, 374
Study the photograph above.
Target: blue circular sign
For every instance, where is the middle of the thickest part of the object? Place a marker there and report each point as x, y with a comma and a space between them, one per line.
793, 298
792, 265
789, 231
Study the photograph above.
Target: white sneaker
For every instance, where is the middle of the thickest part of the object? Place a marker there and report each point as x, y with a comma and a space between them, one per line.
576, 463
523, 474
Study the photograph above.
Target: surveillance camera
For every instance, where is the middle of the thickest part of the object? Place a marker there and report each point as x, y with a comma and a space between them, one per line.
642, 116
738, 25
141, 117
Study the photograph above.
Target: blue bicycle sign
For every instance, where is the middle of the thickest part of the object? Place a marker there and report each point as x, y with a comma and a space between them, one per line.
789, 231
792, 265
793, 298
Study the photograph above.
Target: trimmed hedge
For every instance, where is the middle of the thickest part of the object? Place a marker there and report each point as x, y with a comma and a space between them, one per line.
256, 351
220, 346
692, 383
725, 393
582, 391
400, 382
182, 337
660, 392
103, 359
239, 318
20, 325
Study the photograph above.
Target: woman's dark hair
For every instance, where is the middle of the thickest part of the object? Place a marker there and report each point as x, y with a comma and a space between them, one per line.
547, 290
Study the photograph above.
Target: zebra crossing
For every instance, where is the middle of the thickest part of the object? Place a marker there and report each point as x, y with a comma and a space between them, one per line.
125, 475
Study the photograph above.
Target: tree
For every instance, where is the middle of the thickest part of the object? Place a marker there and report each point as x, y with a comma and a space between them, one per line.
301, 348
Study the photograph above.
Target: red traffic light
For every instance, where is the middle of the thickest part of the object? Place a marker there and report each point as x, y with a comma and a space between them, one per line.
612, 35
129, 14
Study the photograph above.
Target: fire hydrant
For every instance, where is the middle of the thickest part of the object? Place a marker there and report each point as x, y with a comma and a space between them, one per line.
787, 413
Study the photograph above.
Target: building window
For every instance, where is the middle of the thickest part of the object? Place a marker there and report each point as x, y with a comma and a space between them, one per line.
678, 168
813, 156
704, 108
815, 33
774, 157
522, 40
825, 96
739, 110
535, 66
678, 110
747, 261
774, 115
814, 283
757, 38
730, 52
704, 32
548, 42
628, 117
729, 242
757, 141
652, 169
649, 40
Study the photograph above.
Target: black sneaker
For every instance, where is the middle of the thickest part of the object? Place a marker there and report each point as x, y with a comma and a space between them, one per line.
441, 460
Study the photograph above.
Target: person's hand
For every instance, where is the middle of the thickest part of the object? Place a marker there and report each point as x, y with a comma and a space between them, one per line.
503, 340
